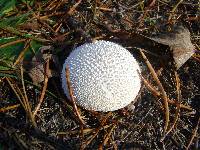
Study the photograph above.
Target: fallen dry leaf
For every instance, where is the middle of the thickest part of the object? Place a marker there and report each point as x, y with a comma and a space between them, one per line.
37, 70
179, 42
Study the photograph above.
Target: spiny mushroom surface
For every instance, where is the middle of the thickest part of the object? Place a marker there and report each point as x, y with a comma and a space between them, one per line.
103, 75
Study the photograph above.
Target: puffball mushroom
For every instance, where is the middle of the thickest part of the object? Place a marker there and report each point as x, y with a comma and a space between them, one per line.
103, 75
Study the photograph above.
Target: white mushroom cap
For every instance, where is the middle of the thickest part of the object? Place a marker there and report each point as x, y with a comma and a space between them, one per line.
103, 75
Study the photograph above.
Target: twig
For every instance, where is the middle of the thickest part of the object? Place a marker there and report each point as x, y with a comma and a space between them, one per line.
105, 9
97, 130
85, 131
51, 5
26, 101
4, 109
19, 141
150, 87
164, 95
150, 5
94, 9
181, 105
194, 134
178, 106
12, 43
16, 32
81, 134
108, 135
74, 7
58, 28
152, 90
39, 20
46, 78
22, 53
72, 96
15, 91
158, 94
174, 9
51, 15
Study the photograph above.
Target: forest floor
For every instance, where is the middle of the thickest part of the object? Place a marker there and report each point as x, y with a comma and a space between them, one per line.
37, 36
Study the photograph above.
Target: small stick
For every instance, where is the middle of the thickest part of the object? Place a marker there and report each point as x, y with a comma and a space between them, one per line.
4, 109
58, 28
72, 97
73, 7
86, 131
105, 9
41, 21
150, 5
94, 9
152, 90
97, 130
174, 9
81, 134
108, 135
158, 94
46, 78
12, 43
26, 101
164, 95
196, 58
178, 106
150, 87
194, 134
22, 53
181, 105
16, 93
16, 32
51, 5
51, 15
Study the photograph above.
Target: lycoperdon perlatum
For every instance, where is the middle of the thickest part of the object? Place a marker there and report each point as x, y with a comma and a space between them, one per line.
103, 75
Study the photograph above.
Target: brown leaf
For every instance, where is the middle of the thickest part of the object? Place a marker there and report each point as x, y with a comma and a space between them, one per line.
180, 43
37, 70
33, 25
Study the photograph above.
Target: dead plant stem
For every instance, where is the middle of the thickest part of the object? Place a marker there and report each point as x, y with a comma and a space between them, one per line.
164, 95
26, 101
72, 97
194, 134
46, 78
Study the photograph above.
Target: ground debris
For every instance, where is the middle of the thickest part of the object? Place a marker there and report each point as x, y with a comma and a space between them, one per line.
62, 25
37, 70
180, 43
